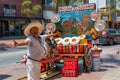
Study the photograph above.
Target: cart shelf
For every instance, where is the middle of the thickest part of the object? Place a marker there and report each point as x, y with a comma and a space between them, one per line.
75, 55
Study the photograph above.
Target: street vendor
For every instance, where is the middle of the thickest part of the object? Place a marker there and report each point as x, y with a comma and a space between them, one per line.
36, 49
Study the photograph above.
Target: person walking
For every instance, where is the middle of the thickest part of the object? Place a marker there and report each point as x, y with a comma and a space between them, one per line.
36, 49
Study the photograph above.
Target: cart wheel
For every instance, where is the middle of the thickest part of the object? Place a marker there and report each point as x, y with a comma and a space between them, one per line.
88, 69
88, 60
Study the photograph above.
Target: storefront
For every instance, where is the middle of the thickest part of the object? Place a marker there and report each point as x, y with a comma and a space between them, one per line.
12, 27
12, 21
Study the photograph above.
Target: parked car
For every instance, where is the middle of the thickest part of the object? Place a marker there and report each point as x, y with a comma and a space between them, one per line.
110, 36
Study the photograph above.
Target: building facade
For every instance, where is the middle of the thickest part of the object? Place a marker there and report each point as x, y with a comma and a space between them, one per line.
12, 21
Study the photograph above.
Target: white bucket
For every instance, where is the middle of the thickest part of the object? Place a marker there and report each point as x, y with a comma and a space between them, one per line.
96, 66
96, 57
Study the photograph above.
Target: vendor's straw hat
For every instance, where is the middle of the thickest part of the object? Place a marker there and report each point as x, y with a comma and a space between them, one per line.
31, 25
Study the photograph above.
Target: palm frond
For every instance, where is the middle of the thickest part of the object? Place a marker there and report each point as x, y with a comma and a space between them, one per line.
36, 9
29, 9
54, 4
58, 3
26, 3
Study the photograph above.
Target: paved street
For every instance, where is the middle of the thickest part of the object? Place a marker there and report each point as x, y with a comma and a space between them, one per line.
110, 69
11, 56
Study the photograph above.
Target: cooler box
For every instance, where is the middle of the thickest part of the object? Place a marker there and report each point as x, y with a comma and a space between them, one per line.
70, 68
70, 71
71, 62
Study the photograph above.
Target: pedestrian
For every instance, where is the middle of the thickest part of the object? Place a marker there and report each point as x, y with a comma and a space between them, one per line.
36, 49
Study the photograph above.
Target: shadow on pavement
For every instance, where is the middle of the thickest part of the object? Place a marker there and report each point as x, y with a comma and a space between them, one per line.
108, 66
112, 61
112, 58
56, 77
3, 49
102, 70
2, 76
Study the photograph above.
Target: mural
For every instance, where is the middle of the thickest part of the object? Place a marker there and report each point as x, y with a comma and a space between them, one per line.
78, 20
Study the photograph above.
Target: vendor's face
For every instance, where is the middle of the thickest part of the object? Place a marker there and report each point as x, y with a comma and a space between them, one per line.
34, 31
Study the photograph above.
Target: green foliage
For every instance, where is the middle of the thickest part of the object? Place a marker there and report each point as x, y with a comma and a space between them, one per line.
57, 3
29, 9
36, 9
110, 9
26, 3
79, 0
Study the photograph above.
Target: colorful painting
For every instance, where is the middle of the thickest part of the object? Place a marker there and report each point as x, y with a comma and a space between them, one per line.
76, 20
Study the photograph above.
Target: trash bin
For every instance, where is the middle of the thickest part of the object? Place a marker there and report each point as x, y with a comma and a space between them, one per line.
96, 65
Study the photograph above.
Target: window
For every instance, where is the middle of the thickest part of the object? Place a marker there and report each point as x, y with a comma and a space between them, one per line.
6, 6
43, 2
13, 7
48, 2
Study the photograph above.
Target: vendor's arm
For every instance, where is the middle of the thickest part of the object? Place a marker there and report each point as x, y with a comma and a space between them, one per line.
23, 43
47, 36
51, 34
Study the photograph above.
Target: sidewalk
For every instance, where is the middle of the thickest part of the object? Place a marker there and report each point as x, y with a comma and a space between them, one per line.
13, 72
108, 71
19, 70
112, 75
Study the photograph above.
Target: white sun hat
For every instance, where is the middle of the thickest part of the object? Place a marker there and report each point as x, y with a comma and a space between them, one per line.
31, 25
66, 41
58, 40
74, 40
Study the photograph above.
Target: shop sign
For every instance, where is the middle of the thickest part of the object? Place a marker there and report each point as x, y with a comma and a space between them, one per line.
79, 7
9, 12
105, 18
117, 16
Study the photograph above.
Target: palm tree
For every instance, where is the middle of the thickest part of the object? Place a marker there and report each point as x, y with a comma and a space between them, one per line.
29, 9
118, 1
57, 3
110, 9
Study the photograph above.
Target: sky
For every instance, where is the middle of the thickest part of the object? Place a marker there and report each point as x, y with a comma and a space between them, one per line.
99, 3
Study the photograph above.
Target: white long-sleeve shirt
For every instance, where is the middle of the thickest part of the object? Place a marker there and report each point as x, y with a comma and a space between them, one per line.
36, 50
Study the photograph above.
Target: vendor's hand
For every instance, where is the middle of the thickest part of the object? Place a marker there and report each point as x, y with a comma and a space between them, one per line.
51, 34
15, 44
